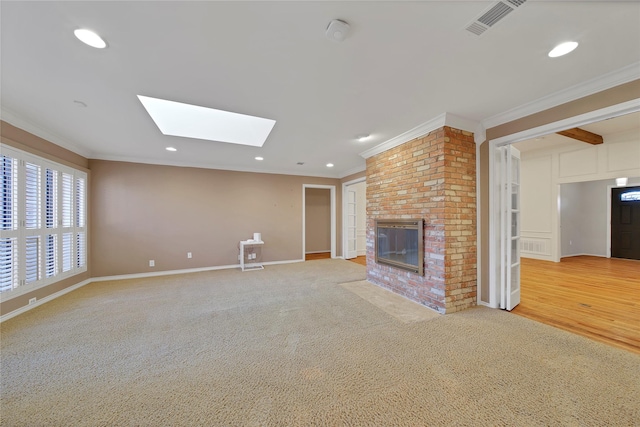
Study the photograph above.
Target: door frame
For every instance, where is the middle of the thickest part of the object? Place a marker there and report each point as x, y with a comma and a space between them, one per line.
344, 211
332, 197
632, 106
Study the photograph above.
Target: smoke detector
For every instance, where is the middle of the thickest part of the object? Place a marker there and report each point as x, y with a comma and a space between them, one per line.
337, 30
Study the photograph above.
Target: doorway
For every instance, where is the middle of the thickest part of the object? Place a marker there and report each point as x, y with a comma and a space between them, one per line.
354, 220
498, 264
318, 220
625, 223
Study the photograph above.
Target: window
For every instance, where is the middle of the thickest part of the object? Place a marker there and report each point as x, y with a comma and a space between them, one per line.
630, 196
42, 222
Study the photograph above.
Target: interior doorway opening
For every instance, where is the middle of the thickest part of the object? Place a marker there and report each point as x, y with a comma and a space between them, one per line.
354, 220
318, 221
493, 296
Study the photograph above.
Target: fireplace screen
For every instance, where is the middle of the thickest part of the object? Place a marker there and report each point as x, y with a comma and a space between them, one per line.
399, 243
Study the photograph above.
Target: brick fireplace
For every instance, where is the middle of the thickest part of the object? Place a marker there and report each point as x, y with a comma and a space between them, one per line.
434, 178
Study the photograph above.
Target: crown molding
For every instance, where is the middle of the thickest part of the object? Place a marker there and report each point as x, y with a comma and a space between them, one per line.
461, 123
598, 84
416, 132
444, 119
577, 121
28, 126
353, 170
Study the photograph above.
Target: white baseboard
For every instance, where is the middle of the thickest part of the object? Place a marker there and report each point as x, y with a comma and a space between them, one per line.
318, 252
55, 295
536, 256
596, 255
43, 300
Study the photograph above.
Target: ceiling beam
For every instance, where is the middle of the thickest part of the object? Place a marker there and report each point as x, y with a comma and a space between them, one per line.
582, 135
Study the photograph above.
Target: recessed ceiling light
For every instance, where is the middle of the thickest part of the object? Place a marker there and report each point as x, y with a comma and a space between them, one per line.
171, 149
259, 158
90, 38
562, 49
363, 137
192, 121
329, 165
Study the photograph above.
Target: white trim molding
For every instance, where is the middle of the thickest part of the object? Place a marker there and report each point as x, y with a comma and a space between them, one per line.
15, 120
576, 121
353, 170
615, 78
444, 119
55, 295
41, 301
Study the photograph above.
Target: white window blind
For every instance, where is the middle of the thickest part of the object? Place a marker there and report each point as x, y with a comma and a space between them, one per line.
9, 225
9, 193
42, 223
51, 198
67, 199
8, 263
51, 255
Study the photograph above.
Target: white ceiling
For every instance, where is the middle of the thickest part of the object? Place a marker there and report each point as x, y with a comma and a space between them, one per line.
403, 64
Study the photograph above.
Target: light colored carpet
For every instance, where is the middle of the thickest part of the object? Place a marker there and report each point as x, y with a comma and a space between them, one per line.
290, 346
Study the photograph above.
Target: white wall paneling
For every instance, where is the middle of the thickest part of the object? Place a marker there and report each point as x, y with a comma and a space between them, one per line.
565, 200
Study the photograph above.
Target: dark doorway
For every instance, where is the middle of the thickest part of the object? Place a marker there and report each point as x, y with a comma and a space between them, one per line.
625, 222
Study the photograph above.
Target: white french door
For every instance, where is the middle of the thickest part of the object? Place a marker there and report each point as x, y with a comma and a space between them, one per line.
506, 225
351, 228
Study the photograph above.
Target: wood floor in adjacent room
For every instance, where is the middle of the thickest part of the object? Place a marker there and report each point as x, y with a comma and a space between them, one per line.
362, 260
595, 297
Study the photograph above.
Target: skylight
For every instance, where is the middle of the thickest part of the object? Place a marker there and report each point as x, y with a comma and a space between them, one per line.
192, 121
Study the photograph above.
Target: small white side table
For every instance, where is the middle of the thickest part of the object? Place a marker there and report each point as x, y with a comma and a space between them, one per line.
247, 264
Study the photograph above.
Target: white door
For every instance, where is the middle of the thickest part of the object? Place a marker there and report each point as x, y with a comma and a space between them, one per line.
507, 223
351, 229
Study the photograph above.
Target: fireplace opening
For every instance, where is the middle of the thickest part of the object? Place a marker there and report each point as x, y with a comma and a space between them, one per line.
399, 243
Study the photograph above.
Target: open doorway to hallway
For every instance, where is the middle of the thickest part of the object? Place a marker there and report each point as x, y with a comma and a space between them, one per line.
317, 223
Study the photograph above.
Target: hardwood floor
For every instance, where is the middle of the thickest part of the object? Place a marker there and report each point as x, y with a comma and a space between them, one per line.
362, 260
318, 255
595, 297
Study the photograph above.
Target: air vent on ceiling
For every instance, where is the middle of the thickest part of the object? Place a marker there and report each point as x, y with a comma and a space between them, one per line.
476, 28
491, 16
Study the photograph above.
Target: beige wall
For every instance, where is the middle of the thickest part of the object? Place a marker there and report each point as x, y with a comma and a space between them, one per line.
617, 95
142, 212
317, 220
22, 140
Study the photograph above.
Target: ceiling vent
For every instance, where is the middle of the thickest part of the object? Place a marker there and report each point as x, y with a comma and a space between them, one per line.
492, 15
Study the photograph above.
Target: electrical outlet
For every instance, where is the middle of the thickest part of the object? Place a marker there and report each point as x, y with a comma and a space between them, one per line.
32, 300
189, 255
152, 263
570, 242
